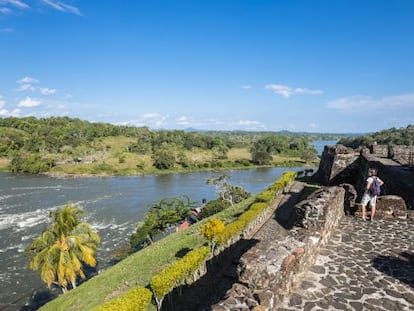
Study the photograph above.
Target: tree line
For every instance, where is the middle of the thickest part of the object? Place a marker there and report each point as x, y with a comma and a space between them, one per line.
392, 136
37, 144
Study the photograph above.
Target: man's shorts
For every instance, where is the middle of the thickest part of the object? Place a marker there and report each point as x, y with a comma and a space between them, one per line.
372, 199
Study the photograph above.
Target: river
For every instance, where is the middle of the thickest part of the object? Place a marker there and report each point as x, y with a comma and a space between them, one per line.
114, 205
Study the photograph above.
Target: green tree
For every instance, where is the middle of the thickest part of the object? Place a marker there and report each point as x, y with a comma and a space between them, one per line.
32, 163
309, 155
161, 215
164, 158
213, 207
261, 157
62, 250
227, 192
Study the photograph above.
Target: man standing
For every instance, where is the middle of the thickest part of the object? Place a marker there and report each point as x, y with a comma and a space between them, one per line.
372, 190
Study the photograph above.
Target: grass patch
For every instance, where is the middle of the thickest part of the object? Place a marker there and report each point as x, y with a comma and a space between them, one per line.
239, 154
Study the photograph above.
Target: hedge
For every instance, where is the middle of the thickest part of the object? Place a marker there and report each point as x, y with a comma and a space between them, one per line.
137, 299
178, 273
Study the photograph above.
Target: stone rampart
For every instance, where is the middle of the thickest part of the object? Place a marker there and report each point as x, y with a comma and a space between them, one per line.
402, 154
338, 165
346, 165
271, 267
380, 150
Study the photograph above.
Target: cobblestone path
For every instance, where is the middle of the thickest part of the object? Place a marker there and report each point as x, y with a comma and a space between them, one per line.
365, 266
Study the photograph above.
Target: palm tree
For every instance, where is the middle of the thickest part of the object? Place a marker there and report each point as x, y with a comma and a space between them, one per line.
61, 250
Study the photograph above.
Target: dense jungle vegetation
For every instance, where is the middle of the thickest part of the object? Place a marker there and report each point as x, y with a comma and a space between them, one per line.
392, 136
63, 145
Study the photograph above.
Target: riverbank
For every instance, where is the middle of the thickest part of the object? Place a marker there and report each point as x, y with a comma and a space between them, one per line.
94, 170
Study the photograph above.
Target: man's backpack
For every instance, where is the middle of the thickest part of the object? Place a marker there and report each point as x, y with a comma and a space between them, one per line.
375, 186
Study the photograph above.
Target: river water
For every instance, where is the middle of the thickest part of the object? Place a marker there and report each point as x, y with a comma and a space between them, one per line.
114, 205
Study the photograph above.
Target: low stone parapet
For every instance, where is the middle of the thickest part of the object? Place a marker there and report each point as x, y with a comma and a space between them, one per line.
388, 207
271, 267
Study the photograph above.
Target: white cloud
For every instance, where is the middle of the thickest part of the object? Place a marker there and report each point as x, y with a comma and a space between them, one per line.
313, 125
60, 6
150, 115
25, 87
183, 120
371, 103
47, 91
10, 5
5, 11
249, 124
214, 121
6, 113
287, 91
27, 80
16, 3
29, 103
152, 120
13, 113
307, 91
246, 87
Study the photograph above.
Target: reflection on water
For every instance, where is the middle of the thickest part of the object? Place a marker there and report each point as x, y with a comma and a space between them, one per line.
114, 206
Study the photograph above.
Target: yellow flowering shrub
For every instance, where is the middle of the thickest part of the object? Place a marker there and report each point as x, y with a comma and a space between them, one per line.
178, 272
211, 228
265, 196
136, 299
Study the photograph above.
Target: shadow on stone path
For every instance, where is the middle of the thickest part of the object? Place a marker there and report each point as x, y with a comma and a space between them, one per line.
365, 266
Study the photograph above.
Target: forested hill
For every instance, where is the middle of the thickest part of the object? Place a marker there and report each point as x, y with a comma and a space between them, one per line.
73, 146
401, 136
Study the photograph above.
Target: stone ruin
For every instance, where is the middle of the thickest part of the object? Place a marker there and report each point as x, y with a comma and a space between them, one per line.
346, 166
272, 266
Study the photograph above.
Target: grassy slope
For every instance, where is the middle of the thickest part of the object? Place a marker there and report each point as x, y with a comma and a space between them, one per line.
136, 269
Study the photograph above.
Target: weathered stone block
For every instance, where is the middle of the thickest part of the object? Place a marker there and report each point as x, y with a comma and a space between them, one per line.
391, 206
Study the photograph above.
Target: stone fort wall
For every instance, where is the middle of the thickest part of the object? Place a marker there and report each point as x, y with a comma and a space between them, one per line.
271, 268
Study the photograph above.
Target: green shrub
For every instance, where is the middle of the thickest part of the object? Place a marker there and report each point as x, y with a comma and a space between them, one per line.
244, 162
213, 207
258, 206
265, 196
32, 163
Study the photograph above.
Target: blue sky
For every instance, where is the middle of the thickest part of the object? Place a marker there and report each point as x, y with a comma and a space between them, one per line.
312, 65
